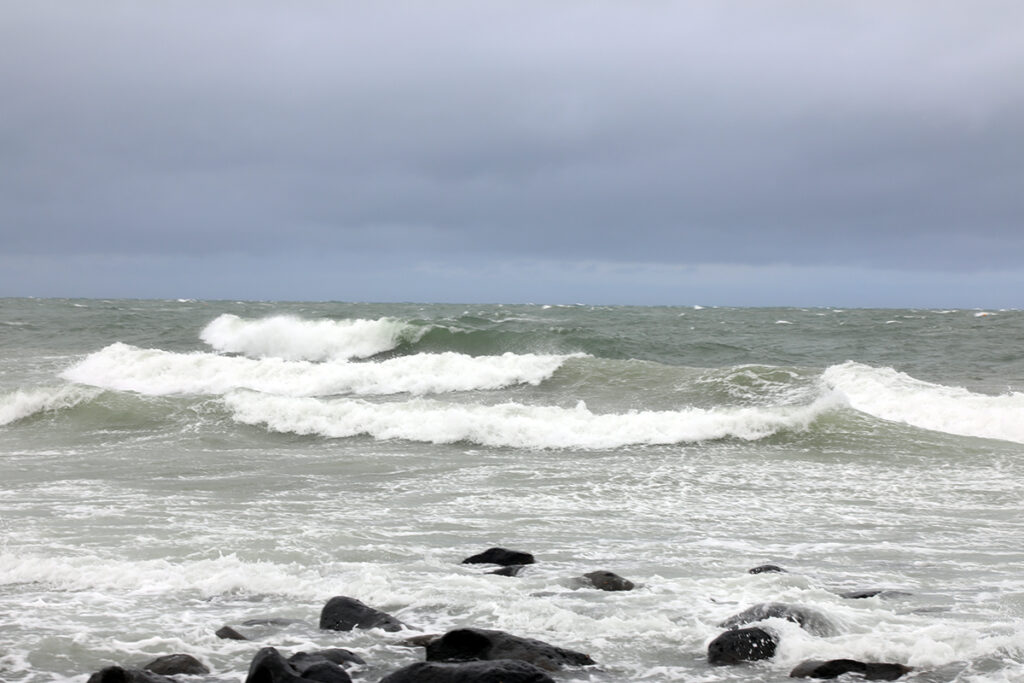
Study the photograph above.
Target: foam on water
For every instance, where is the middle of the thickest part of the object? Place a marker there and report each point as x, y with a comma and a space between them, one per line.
514, 424
154, 372
293, 338
21, 404
891, 395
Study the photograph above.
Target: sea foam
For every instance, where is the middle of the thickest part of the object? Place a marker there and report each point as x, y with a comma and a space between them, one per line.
895, 396
514, 424
154, 372
293, 338
21, 404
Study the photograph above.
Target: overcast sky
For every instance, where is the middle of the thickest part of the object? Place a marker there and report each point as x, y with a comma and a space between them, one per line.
729, 153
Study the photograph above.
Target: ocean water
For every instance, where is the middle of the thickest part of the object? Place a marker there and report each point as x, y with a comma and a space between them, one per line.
171, 467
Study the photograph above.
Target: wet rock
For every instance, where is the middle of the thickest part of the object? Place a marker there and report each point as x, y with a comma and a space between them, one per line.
872, 593
268, 666
169, 665
608, 581
811, 620
477, 643
742, 645
768, 569
510, 570
336, 655
342, 613
117, 674
874, 671
496, 671
501, 556
228, 633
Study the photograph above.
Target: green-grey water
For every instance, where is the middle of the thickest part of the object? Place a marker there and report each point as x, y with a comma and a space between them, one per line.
169, 467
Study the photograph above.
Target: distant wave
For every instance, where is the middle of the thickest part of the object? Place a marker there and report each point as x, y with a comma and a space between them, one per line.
891, 395
293, 338
21, 404
514, 424
122, 367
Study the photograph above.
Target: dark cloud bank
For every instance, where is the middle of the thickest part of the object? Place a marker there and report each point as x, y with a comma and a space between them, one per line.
728, 152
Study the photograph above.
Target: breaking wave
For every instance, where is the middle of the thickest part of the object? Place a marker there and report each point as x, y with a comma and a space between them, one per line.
21, 404
154, 372
292, 338
891, 395
515, 424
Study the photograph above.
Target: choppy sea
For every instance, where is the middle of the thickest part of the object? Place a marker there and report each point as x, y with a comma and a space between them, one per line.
171, 467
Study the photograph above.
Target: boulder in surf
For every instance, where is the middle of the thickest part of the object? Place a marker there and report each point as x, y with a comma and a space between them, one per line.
495, 671
502, 556
834, 668
342, 613
269, 666
467, 644
742, 645
811, 620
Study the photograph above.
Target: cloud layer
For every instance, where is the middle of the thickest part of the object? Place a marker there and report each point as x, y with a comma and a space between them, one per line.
852, 135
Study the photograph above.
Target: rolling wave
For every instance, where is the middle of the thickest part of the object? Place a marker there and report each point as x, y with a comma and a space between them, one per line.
515, 424
21, 404
293, 338
890, 395
154, 372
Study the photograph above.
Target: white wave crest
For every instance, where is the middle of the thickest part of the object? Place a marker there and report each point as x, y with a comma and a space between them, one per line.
21, 404
292, 338
153, 372
514, 424
891, 395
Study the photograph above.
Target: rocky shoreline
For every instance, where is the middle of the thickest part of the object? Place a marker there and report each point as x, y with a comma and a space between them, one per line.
481, 655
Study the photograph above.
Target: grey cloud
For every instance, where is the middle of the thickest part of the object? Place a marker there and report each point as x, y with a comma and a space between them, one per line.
833, 133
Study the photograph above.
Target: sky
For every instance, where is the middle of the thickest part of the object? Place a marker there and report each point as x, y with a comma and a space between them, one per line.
762, 153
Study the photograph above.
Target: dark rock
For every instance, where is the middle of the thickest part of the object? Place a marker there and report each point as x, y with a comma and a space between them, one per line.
510, 570
268, 666
871, 593
608, 581
476, 643
496, 671
169, 665
342, 613
742, 645
885, 671
336, 655
837, 667
117, 674
500, 556
810, 620
228, 633
768, 569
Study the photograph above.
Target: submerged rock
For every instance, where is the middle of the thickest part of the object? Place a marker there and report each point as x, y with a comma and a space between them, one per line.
872, 593
117, 674
502, 556
608, 581
768, 569
169, 665
484, 644
343, 613
268, 666
496, 671
742, 645
228, 633
811, 620
881, 671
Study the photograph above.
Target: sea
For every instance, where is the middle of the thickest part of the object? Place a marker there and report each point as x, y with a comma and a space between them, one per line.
169, 467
